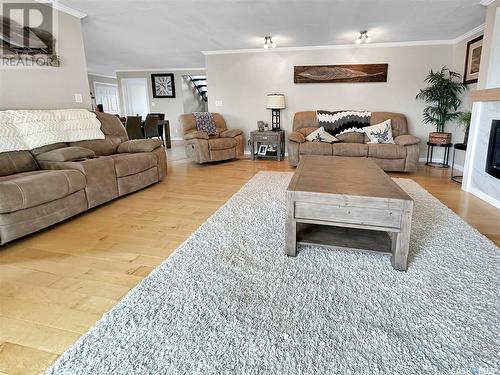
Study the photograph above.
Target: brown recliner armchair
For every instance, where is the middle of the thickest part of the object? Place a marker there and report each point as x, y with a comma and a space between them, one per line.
202, 148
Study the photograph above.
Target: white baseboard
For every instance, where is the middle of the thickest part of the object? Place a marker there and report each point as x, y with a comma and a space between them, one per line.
485, 197
457, 167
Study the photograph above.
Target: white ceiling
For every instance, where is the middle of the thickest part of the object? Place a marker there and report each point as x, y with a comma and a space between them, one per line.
150, 34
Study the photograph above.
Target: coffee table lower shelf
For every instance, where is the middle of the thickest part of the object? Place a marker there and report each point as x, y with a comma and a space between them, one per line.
370, 241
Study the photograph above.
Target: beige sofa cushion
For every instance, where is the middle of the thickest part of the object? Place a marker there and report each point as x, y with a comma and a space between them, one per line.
221, 143
66, 154
54, 146
316, 148
16, 162
129, 164
306, 131
111, 125
102, 147
139, 145
350, 149
30, 189
386, 151
230, 133
352, 137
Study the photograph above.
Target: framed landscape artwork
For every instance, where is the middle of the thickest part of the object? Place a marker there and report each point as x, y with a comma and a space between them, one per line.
473, 60
340, 73
163, 85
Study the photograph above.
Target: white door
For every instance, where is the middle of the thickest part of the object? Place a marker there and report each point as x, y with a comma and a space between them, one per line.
135, 95
107, 95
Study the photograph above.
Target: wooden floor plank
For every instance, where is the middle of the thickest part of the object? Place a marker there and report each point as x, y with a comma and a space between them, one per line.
84, 266
22, 360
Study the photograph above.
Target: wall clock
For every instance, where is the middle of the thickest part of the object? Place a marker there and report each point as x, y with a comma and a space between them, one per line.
163, 85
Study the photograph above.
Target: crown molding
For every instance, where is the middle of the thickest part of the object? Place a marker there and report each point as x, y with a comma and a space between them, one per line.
63, 8
469, 34
460, 38
101, 75
331, 47
159, 70
485, 2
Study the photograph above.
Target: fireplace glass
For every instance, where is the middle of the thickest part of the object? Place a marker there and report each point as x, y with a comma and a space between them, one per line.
493, 159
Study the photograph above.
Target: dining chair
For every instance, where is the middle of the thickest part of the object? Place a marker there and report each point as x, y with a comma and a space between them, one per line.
161, 116
151, 127
161, 125
133, 126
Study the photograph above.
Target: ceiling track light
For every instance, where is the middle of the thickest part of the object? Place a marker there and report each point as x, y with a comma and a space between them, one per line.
363, 37
268, 42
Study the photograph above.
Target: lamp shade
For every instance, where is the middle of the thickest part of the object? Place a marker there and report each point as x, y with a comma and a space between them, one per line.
276, 101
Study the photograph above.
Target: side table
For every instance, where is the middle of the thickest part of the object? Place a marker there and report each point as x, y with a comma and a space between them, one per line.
274, 138
446, 156
461, 147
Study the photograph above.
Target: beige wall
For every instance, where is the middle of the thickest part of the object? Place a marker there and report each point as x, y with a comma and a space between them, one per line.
489, 47
241, 82
50, 87
172, 107
458, 65
98, 78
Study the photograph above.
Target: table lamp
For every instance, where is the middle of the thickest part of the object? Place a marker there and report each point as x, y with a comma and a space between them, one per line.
275, 102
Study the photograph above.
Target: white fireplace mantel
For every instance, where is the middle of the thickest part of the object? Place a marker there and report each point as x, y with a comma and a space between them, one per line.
486, 107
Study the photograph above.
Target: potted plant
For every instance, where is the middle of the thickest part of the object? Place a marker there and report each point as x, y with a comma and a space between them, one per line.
443, 99
464, 119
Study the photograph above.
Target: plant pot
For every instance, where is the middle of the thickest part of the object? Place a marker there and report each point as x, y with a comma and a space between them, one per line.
440, 138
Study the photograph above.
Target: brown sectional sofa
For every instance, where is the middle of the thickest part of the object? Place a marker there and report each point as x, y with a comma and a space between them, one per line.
399, 157
49, 184
202, 148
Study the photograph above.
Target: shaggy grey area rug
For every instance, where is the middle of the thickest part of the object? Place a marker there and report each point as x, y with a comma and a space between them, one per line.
228, 301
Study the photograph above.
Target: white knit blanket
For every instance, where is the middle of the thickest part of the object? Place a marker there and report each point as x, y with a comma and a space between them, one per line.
29, 129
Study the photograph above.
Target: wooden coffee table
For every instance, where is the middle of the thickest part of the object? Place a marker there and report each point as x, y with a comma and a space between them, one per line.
347, 202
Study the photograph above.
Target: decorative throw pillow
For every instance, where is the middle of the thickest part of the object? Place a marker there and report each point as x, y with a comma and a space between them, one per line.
380, 133
205, 122
320, 135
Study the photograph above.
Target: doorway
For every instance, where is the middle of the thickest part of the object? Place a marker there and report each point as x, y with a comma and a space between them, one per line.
107, 95
135, 96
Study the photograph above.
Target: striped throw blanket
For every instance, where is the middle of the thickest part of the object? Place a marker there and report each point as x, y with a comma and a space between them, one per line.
341, 122
29, 129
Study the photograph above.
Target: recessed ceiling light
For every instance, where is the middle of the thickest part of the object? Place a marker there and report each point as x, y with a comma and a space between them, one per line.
268, 42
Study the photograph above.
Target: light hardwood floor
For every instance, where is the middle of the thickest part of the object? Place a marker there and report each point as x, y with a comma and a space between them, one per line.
56, 284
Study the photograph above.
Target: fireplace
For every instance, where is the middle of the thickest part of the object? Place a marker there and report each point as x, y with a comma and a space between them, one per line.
493, 159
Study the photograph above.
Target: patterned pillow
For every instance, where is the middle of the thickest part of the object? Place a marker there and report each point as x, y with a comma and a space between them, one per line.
205, 122
380, 133
320, 135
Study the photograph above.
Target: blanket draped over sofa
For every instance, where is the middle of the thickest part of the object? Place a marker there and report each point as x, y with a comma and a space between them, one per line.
29, 129
341, 122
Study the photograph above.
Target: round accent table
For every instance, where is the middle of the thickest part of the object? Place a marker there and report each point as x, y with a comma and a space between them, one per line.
446, 157
461, 147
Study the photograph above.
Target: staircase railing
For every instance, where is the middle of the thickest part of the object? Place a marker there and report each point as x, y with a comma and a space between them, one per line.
202, 93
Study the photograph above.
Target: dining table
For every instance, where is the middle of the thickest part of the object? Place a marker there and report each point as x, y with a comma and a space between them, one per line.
163, 131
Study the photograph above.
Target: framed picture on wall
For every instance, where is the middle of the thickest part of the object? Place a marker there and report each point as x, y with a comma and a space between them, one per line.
163, 85
473, 60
